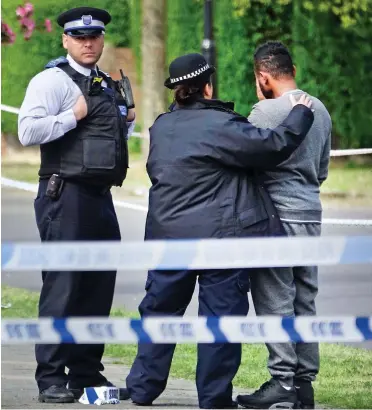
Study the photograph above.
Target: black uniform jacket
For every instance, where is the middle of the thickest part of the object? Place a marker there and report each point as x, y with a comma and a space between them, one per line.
204, 165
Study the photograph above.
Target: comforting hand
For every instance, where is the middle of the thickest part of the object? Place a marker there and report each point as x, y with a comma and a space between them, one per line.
80, 109
131, 114
304, 100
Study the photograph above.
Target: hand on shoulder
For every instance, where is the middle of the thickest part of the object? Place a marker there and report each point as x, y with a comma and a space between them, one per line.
304, 100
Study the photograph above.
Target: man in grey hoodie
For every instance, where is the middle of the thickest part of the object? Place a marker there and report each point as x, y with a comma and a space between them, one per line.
294, 187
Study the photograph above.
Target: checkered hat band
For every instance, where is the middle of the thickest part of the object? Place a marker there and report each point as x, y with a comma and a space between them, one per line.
79, 24
191, 75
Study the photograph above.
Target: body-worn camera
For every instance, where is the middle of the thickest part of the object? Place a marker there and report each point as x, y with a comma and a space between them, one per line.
54, 188
95, 86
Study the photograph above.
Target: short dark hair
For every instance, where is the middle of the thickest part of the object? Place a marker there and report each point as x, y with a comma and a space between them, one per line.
187, 94
274, 58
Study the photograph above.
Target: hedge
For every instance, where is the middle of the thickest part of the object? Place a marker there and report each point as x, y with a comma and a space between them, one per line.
335, 65
333, 58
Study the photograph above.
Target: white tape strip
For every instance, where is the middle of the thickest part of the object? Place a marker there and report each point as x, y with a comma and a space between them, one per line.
225, 253
347, 152
122, 204
8, 108
14, 110
26, 186
347, 222
334, 153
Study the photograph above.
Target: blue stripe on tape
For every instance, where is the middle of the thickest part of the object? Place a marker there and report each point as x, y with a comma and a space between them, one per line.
143, 336
174, 252
362, 323
288, 326
213, 324
92, 395
7, 251
358, 249
59, 326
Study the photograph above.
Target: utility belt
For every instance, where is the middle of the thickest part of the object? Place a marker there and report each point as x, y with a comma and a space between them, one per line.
56, 184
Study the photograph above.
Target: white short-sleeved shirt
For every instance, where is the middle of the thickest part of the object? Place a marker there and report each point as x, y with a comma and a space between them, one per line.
46, 112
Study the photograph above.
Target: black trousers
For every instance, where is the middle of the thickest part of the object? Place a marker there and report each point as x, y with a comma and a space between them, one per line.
168, 293
80, 213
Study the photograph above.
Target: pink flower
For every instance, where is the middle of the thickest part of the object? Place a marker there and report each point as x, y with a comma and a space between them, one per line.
7, 35
27, 35
25, 11
29, 8
20, 11
48, 25
28, 23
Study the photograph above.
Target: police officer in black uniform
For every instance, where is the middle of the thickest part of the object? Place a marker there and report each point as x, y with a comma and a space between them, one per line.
203, 165
81, 119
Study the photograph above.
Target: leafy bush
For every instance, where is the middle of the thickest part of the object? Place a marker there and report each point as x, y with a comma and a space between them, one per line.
329, 41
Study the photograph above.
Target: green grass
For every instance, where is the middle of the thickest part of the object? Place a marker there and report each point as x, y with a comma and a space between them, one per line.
353, 181
345, 379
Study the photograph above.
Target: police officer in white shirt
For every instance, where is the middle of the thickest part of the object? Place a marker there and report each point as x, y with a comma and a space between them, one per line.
81, 119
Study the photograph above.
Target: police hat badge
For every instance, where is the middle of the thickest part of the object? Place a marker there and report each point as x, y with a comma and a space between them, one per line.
87, 20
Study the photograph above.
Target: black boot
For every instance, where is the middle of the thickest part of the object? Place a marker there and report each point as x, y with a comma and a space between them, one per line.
305, 394
271, 395
56, 394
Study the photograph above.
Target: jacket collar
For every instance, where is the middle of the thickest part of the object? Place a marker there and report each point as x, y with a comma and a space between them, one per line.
204, 103
79, 68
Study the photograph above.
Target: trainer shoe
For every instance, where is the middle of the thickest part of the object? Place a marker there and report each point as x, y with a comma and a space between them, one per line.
305, 394
271, 395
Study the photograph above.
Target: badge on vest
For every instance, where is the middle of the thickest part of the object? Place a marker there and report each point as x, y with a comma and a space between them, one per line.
95, 86
123, 110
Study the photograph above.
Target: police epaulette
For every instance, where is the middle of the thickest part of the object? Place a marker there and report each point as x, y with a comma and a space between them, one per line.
56, 62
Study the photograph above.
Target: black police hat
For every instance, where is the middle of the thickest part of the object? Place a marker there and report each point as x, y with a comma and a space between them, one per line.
84, 21
189, 68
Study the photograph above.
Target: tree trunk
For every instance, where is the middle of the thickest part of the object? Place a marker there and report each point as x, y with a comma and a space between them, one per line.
153, 65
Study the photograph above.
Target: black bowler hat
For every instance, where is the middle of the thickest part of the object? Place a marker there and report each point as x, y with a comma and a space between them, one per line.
187, 69
84, 21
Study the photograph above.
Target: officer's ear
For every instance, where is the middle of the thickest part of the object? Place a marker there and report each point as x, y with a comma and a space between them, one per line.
64, 40
294, 71
208, 91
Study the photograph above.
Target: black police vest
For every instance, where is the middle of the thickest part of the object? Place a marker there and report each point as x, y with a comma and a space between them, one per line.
96, 151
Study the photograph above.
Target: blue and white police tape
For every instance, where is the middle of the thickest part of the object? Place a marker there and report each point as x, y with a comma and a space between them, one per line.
227, 329
186, 254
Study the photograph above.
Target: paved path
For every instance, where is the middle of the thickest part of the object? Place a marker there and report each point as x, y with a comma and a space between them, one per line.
343, 290
18, 387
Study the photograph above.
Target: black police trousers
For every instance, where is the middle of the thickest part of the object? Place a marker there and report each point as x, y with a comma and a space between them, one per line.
221, 292
80, 213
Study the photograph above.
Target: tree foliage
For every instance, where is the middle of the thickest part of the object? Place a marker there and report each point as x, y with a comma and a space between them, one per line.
329, 41
334, 65
348, 11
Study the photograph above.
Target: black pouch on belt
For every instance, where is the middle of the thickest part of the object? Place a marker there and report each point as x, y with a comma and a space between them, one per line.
54, 188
